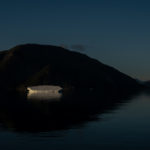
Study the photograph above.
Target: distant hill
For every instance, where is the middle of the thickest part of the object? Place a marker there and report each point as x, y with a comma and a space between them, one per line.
32, 64
144, 83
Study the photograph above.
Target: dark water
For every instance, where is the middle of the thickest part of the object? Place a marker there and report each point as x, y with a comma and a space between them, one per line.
78, 122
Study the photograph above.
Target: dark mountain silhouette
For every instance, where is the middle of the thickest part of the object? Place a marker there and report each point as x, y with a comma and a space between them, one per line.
98, 88
33, 64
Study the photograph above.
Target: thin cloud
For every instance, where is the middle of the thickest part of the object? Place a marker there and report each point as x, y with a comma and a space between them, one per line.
78, 47
75, 47
64, 46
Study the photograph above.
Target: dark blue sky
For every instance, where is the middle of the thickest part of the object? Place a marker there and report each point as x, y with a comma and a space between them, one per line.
113, 31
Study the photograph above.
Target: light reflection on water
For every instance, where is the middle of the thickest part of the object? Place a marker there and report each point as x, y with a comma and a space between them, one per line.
44, 96
124, 127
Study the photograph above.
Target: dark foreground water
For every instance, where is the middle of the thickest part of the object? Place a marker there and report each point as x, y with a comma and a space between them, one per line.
120, 124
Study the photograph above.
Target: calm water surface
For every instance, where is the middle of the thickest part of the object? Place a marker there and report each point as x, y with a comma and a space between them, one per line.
124, 126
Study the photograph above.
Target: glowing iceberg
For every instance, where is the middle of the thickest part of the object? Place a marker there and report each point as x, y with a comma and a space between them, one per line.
44, 92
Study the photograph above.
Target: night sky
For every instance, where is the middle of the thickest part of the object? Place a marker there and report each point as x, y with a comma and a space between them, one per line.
116, 32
